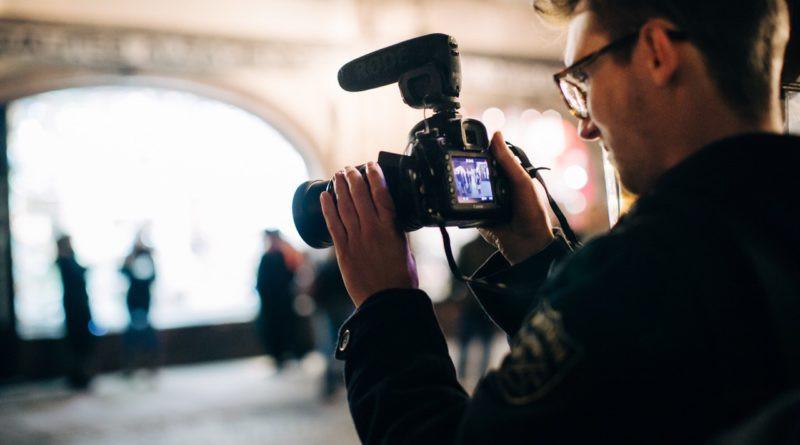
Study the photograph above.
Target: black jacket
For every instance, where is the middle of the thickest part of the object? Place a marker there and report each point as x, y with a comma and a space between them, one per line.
77, 313
658, 332
139, 294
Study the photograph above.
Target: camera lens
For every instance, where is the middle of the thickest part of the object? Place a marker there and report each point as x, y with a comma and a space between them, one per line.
397, 169
307, 214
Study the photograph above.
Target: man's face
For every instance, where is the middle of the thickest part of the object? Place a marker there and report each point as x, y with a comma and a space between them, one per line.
616, 105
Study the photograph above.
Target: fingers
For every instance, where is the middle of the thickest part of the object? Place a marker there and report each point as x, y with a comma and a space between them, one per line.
335, 226
516, 173
384, 205
362, 200
344, 202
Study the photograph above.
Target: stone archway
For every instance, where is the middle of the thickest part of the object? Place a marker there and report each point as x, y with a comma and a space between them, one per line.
41, 56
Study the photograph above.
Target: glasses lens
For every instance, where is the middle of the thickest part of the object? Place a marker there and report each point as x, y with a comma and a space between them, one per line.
575, 99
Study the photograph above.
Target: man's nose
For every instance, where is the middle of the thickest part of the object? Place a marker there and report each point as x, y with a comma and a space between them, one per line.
587, 130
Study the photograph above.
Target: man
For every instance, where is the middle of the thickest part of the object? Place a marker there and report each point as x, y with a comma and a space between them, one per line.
330, 296
277, 320
140, 340
77, 314
472, 321
661, 331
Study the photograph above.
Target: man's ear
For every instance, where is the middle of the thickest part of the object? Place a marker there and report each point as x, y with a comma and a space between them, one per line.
661, 55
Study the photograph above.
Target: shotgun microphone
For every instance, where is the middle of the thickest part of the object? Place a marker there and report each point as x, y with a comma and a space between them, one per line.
402, 62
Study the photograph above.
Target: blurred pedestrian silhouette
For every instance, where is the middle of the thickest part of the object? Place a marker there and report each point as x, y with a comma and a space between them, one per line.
473, 323
140, 342
278, 322
334, 304
77, 315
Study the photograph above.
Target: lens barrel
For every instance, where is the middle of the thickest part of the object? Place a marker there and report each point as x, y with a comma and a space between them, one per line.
307, 214
307, 211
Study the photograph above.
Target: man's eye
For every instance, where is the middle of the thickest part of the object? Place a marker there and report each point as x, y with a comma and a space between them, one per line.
580, 75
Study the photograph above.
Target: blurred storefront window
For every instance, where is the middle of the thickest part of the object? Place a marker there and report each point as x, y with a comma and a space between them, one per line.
199, 177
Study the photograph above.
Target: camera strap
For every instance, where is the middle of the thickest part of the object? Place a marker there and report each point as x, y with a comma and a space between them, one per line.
533, 172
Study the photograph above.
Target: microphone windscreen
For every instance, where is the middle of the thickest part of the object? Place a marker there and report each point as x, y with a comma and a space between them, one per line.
386, 65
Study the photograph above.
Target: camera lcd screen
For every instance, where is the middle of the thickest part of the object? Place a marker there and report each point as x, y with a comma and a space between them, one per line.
471, 178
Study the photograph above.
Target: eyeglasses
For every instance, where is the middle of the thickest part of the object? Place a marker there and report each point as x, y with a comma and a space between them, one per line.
571, 80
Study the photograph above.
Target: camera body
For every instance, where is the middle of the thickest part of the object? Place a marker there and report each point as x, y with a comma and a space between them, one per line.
447, 177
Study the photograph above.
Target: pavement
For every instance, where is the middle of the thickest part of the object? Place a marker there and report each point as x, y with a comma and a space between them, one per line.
233, 402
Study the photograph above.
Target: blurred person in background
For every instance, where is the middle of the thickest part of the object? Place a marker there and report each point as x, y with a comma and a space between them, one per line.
140, 342
473, 324
278, 322
679, 324
77, 315
330, 296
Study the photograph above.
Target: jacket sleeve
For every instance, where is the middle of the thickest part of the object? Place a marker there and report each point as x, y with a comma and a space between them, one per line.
508, 293
400, 380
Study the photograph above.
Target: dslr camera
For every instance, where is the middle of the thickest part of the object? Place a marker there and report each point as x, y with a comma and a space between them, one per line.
447, 176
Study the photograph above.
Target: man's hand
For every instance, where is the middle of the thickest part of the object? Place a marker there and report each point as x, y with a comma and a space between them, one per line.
530, 229
373, 254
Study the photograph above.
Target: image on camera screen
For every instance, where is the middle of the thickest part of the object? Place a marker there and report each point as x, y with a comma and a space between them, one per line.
471, 177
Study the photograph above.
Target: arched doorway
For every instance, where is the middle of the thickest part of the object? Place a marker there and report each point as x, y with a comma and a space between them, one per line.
202, 179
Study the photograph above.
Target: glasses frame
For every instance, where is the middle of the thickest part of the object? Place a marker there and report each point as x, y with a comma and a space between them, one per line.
583, 62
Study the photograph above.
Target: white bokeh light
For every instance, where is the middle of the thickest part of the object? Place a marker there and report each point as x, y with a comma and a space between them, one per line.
575, 203
494, 119
552, 114
530, 116
575, 177
544, 139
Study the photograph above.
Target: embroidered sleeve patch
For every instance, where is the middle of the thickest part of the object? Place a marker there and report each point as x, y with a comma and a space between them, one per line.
541, 354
